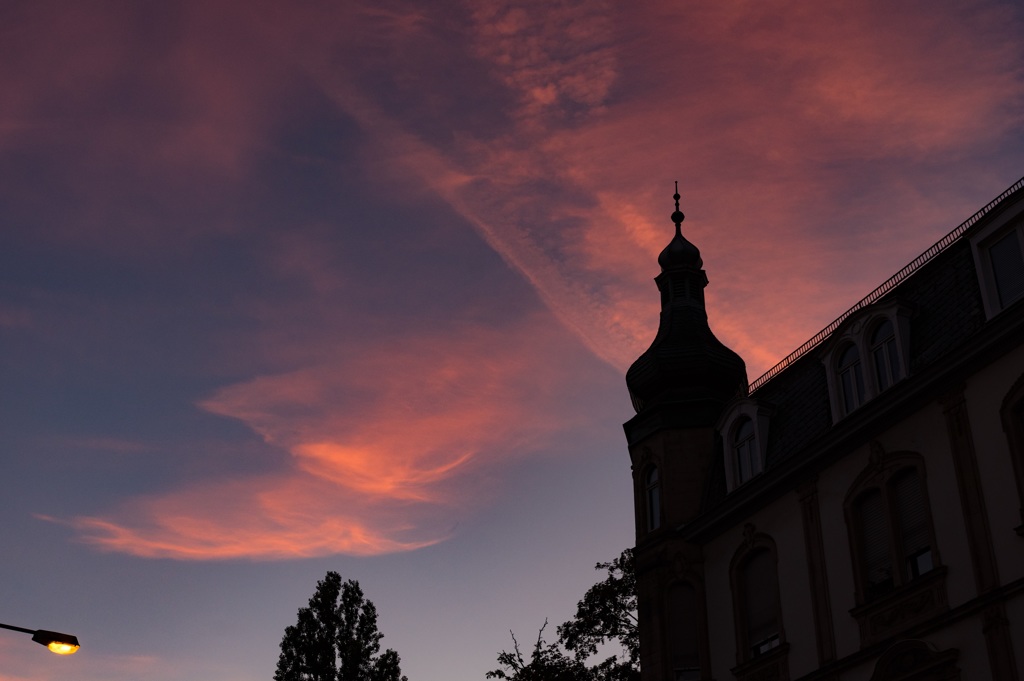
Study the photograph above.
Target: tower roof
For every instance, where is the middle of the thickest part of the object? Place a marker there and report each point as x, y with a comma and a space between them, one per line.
686, 369
679, 253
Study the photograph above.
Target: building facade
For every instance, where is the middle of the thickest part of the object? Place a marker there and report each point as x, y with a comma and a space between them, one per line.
858, 512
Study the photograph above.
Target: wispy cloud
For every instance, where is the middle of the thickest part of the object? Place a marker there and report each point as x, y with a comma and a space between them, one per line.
383, 445
783, 114
554, 131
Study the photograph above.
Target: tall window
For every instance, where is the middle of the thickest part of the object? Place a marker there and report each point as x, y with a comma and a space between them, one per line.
1012, 414
851, 378
874, 538
760, 586
893, 532
683, 632
653, 499
748, 461
753, 574
884, 355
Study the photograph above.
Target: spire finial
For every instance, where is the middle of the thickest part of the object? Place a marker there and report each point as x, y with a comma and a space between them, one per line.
677, 216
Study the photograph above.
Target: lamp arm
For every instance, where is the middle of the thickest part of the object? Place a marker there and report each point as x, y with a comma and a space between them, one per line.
14, 628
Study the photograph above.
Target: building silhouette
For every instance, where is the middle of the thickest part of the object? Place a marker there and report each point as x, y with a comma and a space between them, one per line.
857, 512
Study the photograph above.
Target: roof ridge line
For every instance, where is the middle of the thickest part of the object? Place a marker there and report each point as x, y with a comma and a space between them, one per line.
886, 286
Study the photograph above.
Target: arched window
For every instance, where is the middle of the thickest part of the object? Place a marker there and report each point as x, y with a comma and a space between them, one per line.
892, 529
653, 499
868, 354
885, 355
851, 378
757, 613
745, 453
683, 632
892, 541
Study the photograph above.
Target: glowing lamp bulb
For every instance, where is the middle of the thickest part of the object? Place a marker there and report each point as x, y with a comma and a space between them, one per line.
62, 648
62, 644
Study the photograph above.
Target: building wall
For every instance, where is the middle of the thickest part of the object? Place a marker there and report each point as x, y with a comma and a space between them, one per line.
985, 392
924, 432
960, 355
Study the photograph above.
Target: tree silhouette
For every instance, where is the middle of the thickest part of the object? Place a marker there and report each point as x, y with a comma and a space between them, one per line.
547, 662
605, 616
336, 639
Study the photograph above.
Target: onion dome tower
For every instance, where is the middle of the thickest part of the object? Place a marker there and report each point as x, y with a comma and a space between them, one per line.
685, 378
679, 388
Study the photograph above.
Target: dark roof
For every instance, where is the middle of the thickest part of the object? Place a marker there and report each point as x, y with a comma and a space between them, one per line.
889, 284
942, 290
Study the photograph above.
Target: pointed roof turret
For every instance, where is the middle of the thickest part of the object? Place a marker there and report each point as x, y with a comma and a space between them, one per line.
687, 375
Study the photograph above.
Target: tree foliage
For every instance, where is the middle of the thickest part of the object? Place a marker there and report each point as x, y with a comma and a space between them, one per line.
547, 663
336, 639
606, 616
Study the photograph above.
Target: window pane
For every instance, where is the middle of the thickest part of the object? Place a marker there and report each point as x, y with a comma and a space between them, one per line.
748, 463
761, 598
849, 400
912, 520
1008, 268
755, 458
653, 500
742, 465
894, 360
849, 357
878, 355
851, 379
882, 333
874, 541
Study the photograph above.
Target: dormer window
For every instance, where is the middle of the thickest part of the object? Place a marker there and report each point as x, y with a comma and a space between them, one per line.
745, 454
999, 258
743, 429
1007, 257
884, 355
866, 356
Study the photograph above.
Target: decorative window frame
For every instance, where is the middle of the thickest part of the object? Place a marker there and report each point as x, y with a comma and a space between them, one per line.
1008, 220
857, 331
644, 459
1012, 414
773, 664
913, 599
760, 414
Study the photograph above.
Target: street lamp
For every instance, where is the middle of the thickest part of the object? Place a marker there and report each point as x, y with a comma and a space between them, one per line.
62, 644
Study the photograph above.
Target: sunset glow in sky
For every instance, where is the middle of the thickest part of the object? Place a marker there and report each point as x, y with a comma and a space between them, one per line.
299, 286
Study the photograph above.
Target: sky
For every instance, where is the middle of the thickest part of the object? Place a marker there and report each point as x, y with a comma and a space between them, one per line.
296, 287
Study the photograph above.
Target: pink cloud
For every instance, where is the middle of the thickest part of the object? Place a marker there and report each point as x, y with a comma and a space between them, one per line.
745, 105
386, 445
770, 117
